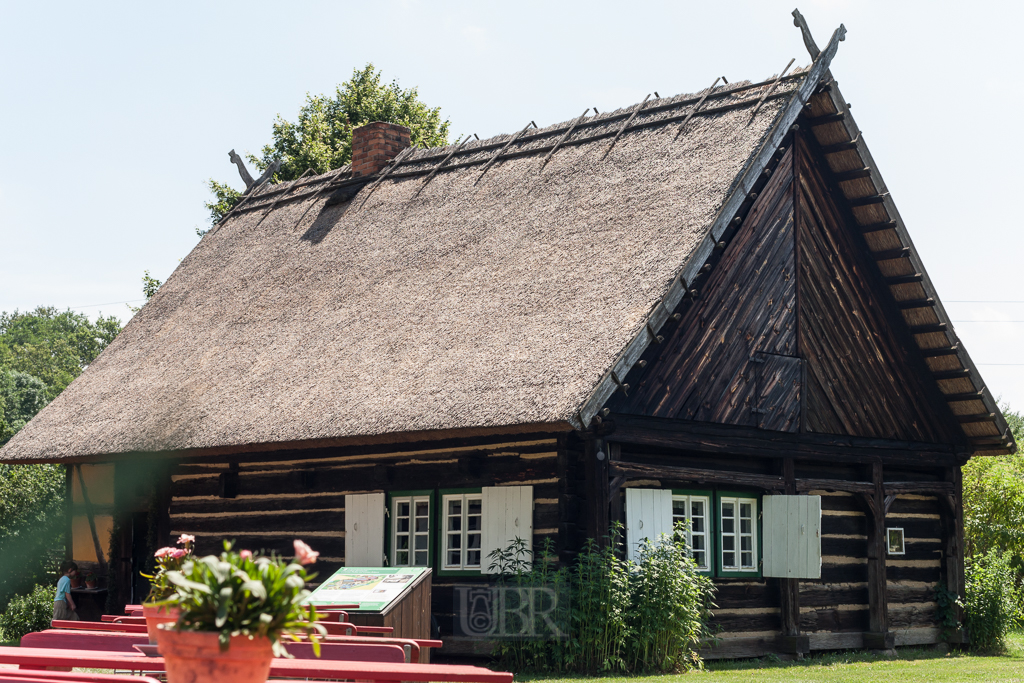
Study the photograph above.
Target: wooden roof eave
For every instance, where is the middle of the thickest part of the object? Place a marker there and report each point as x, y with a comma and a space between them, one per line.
752, 173
1003, 444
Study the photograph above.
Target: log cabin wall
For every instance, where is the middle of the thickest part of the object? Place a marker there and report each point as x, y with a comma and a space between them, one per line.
265, 500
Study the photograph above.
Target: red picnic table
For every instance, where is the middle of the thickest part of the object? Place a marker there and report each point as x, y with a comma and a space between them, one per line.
97, 626
113, 641
36, 676
279, 668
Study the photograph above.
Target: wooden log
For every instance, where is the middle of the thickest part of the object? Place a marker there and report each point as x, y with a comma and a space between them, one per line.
743, 441
825, 119
951, 374
928, 329
852, 175
980, 417
869, 200
692, 474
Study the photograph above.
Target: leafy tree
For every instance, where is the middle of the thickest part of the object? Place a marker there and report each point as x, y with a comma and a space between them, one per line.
149, 286
994, 502
53, 346
321, 138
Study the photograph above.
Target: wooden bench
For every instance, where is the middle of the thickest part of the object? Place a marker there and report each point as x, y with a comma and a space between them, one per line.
280, 668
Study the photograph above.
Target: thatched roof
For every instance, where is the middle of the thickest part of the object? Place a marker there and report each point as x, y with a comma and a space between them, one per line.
477, 302
500, 293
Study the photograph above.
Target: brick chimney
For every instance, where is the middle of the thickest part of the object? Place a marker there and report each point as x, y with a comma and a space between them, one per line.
375, 144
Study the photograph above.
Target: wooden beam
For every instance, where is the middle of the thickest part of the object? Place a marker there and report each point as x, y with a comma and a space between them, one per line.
804, 485
840, 146
933, 353
695, 108
951, 374
919, 487
887, 254
852, 175
980, 417
595, 469
877, 227
625, 125
868, 200
642, 471
904, 279
916, 303
565, 136
708, 437
926, 329
967, 396
825, 119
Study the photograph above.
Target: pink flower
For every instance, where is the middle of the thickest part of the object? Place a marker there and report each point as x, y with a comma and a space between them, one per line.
165, 552
245, 554
304, 554
178, 553
186, 538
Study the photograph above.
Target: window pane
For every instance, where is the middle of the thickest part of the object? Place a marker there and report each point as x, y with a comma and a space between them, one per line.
422, 524
729, 559
454, 558
744, 509
698, 557
403, 525
744, 526
473, 558
746, 543
728, 525
455, 507
421, 508
697, 508
748, 559
473, 540
402, 542
403, 509
728, 543
728, 510
421, 558
697, 544
475, 505
421, 542
402, 557
455, 541
679, 508
454, 523
474, 523
697, 525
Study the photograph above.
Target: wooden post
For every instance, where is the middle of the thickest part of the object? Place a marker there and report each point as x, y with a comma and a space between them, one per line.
789, 589
878, 636
615, 508
954, 549
596, 471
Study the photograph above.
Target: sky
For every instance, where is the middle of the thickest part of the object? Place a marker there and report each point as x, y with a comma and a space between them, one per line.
115, 116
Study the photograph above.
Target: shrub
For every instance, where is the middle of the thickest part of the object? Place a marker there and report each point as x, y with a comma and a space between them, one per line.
623, 616
991, 607
670, 605
27, 613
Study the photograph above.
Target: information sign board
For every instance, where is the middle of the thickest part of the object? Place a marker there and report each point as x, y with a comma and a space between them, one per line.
372, 588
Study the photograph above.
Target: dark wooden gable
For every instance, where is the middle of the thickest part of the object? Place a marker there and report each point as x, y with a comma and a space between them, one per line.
732, 358
861, 378
791, 331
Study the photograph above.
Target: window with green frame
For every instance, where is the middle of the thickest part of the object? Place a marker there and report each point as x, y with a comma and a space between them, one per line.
737, 520
693, 509
461, 521
411, 528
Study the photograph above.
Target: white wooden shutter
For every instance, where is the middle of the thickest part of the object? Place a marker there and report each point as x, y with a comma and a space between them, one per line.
507, 514
791, 540
364, 530
648, 515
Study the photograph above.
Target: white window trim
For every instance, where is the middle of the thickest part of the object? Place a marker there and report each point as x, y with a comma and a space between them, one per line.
736, 546
465, 498
708, 552
411, 500
903, 541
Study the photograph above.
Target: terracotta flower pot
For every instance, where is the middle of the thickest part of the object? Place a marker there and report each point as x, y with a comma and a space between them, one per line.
90, 584
158, 615
192, 656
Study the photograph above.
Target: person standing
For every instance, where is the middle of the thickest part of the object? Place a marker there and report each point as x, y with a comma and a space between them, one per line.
63, 604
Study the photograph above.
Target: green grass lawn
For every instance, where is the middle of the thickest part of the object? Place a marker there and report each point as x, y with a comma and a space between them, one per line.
911, 665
